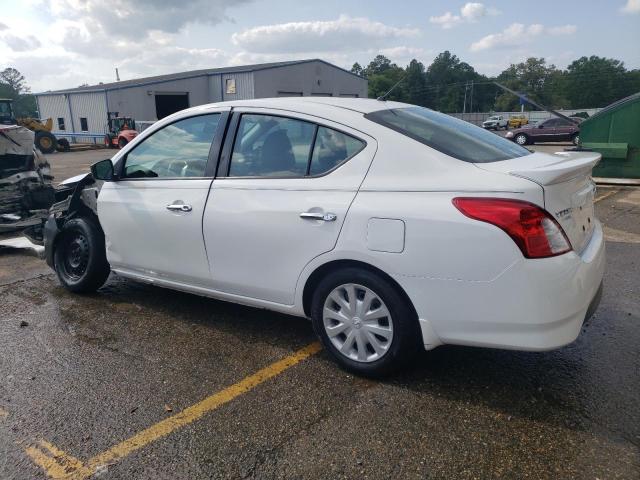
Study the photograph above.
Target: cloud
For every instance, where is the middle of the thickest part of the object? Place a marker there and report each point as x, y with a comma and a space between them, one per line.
470, 12
345, 33
518, 34
3, 27
632, 6
133, 20
21, 44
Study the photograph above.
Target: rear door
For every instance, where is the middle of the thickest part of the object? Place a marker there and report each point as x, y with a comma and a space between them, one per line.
152, 216
283, 189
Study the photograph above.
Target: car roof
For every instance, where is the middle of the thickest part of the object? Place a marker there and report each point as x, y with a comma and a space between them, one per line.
361, 105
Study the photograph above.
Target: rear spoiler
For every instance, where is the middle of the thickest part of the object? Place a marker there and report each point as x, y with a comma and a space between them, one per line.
574, 164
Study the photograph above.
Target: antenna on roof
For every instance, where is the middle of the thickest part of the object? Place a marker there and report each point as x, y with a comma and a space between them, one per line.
117, 75
382, 98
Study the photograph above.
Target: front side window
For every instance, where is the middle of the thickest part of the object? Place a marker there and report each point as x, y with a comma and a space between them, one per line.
180, 149
449, 135
270, 146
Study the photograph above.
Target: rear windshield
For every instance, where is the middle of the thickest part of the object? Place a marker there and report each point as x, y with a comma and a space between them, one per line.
456, 138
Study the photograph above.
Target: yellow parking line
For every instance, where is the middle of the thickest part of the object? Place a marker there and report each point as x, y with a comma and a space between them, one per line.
59, 465
605, 195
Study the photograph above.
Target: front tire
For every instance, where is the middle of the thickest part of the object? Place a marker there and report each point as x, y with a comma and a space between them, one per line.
45, 141
364, 322
80, 256
122, 142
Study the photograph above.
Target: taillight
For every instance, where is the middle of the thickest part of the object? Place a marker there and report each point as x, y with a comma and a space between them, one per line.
536, 233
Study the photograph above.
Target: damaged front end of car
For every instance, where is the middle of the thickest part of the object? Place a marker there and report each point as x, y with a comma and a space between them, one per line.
75, 197
26, 190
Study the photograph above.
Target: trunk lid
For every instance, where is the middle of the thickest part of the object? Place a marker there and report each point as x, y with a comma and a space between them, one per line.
569, 191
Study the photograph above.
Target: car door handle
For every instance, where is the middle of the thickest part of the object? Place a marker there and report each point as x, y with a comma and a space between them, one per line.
325, 217
179, 207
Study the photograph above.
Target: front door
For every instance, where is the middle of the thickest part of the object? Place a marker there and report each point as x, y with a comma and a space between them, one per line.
152, 215
283, 190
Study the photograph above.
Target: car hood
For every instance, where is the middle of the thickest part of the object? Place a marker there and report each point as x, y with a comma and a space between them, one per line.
73, 180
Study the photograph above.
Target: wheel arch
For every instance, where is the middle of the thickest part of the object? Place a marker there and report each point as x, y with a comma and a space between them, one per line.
321, 271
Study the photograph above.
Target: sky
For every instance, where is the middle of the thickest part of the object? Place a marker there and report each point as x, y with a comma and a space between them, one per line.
66, 43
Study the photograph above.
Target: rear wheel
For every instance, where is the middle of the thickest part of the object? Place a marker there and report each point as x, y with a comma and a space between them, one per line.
575, 139
45, 141
364, 322
108, 141
521, 139
80, 258
63, 144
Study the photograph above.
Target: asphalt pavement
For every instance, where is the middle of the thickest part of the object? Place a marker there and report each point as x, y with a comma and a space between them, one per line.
140, 382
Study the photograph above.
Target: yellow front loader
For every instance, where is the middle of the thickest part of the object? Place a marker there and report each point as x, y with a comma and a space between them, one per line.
45, 141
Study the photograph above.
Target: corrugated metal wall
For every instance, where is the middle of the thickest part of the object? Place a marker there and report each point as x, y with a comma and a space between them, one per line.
91, 106
55, 106
244, 86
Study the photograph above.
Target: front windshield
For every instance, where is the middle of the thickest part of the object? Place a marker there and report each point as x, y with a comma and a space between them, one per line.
449, 135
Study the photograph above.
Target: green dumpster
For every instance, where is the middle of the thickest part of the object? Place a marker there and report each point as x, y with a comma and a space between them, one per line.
614, 132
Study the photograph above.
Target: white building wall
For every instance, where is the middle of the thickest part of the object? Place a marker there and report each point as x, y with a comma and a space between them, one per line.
91, 106
54, 107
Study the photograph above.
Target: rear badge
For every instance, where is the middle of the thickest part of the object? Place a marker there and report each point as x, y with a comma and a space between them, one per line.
563, 213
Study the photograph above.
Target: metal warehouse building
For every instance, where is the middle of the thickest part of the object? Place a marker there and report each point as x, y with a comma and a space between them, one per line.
84, 109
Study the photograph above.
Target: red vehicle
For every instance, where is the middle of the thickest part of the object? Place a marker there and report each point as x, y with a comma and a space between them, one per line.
120, 130
549, 130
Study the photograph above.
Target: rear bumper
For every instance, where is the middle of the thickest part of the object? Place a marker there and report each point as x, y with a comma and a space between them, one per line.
533, 305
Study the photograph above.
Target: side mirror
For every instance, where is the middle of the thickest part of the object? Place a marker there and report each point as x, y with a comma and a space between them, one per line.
103, 170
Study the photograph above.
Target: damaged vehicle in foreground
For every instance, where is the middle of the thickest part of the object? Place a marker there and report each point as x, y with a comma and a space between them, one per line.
391, 226
26, 190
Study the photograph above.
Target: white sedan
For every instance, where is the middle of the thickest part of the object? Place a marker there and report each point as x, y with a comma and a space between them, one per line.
391, 226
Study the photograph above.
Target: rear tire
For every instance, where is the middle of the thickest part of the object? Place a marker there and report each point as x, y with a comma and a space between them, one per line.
575, 139
122, 142
398, 332
45, 141
64, 144
80, 256
108, 142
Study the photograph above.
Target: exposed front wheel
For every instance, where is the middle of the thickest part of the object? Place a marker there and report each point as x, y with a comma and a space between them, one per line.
364, 322
122, 142
80, 258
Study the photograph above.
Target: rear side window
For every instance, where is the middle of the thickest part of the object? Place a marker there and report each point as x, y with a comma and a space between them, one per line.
449, 135
331, 149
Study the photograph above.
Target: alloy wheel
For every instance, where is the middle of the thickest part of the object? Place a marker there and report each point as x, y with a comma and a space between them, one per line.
357, 322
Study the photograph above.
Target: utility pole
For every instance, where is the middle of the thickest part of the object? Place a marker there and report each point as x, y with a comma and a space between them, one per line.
464, 104
471, 106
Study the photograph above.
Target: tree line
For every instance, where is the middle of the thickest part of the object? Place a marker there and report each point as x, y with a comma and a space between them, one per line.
451, 85
14, 86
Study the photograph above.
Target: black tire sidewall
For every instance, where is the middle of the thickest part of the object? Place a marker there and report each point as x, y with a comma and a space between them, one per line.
406, 330
97, 267
50, 136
